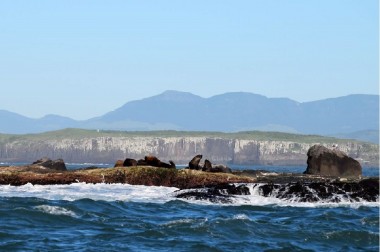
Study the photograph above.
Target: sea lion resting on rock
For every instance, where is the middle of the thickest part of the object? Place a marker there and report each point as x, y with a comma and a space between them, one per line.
194, 163
209, 167
119, 163
154, 161
129, 162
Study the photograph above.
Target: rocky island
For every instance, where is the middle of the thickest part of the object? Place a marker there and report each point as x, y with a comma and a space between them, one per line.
330, 175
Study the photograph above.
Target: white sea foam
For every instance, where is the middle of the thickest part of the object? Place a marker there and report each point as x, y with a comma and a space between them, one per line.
157, 194
257, 199
241, 217
55, 210
77, 191
178, 222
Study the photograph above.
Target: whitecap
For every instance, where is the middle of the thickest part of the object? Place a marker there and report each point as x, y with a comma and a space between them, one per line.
241, 217
77, 191
159, 194
55, 210
178, 222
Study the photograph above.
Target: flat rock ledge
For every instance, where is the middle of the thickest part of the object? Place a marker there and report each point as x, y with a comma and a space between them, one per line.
140, 175
199, 185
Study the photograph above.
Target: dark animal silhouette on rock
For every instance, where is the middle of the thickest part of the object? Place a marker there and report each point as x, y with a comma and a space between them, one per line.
155, 162
119, 163
209, 167
194, 163
129, 162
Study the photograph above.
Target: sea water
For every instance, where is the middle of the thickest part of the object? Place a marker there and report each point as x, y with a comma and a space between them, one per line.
122, 217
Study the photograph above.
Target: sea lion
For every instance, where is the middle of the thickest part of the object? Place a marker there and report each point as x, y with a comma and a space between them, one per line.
119, 163
207, 166
221, 168
129, 162
165, 165
152, 161
194, 163
155, 162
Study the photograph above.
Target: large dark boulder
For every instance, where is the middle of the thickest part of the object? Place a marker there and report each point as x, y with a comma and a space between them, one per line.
331, 162
58, 164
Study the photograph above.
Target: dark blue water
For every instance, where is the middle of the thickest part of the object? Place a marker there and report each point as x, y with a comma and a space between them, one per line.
89, 225
101, 217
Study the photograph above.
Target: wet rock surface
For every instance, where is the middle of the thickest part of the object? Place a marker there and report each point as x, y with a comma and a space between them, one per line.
222, 193
214, 187
337, 191
322, 191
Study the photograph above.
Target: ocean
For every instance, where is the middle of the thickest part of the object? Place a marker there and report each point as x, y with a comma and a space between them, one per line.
122, 217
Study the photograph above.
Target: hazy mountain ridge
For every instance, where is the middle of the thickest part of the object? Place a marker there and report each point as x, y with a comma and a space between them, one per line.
227, 112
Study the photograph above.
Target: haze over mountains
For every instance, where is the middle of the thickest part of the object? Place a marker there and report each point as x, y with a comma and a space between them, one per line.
229, 112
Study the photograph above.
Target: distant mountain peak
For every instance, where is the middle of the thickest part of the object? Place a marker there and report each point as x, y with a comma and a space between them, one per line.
232, 111
177, 96
54, 116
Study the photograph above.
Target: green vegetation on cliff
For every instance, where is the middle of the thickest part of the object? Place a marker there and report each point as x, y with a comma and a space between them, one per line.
248, 135
248, 147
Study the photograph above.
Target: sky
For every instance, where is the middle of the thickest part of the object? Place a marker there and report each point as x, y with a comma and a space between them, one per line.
82, 59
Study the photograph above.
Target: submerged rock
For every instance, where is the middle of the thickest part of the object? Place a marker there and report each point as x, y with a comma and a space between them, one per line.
222, 193
327, 162
335, 191
323, 192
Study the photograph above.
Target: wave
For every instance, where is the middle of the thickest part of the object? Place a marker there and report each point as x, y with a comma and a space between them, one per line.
158, 194
55, 210
77, 191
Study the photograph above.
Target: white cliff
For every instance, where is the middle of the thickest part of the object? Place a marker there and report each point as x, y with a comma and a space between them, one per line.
107, 149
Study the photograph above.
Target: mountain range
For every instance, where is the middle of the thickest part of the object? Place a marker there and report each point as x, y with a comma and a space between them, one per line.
347, 116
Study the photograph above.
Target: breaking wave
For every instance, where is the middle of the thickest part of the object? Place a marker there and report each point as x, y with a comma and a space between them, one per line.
158, 194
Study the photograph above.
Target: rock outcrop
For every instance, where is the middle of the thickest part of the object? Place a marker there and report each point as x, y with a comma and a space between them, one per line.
58, 164
331, 162
215, 187
297, 191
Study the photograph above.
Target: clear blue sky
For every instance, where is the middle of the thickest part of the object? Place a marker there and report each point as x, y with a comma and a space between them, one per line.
84, 58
